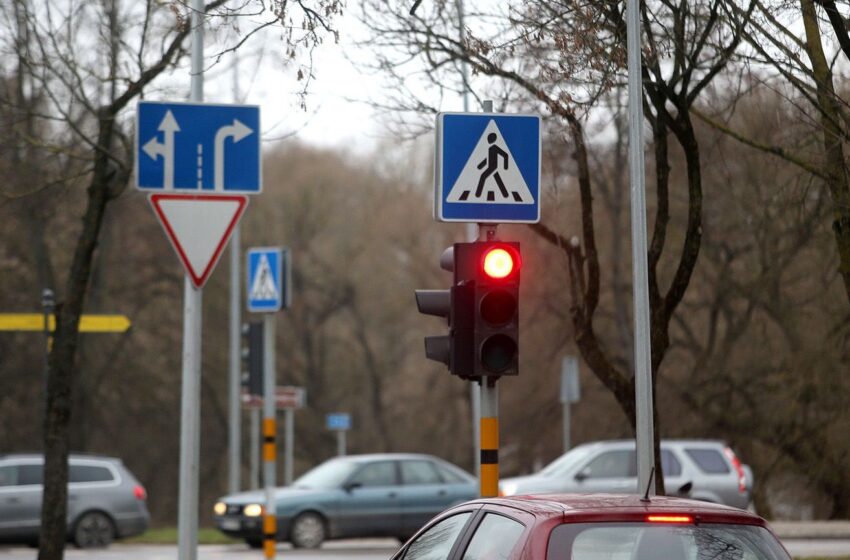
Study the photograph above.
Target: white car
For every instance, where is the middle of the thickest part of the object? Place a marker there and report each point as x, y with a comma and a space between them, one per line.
706, 470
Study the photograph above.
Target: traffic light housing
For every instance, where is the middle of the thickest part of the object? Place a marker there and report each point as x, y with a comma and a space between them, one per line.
493, 268
252, 357
481, 308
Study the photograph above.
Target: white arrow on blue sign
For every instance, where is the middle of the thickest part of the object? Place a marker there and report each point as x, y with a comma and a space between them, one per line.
265, 279
488, 168
198, 148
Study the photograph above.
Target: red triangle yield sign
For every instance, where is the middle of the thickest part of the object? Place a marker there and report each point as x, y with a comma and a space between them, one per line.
199, 227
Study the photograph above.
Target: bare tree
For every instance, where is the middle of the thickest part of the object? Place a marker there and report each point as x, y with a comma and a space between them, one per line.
90, 60
566, 56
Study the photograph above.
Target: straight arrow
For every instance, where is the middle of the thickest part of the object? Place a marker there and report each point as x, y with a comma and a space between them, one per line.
165, 149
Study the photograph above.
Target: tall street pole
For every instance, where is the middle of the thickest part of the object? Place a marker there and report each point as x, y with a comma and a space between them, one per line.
234, 408
190, 406
643, 365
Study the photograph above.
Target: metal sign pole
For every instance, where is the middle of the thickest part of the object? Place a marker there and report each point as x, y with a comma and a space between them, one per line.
643, 369
255, 448
340, 443
235, 410
190, 413
288, 446
269, 431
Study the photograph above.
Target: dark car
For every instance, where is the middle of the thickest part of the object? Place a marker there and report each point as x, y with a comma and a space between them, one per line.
105, 501
377, 495
593, 527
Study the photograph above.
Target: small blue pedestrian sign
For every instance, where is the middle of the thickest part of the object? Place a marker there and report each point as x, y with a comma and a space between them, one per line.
266, 279
488, 168
338, 421
198, 148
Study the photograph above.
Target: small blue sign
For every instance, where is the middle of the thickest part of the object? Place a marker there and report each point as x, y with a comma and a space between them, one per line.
198, 148
265, 279
338, 421
488, 168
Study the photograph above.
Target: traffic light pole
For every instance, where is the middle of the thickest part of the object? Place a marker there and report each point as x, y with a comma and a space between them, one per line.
489, 443
269, 430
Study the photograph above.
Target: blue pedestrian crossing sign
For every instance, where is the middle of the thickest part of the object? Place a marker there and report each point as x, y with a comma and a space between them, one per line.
487, 168
198, 148
268, 279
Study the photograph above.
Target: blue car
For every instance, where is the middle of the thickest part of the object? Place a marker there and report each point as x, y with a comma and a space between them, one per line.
376, 495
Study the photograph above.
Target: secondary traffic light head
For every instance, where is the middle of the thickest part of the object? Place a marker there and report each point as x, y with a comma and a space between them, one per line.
252, 355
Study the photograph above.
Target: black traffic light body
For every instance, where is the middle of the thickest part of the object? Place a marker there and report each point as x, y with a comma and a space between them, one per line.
482, 311
252, 356
492, 268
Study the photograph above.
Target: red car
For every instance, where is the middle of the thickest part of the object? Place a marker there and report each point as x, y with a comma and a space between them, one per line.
593, 527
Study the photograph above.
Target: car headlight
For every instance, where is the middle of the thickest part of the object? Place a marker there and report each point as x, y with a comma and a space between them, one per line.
253, 510
220, 508
509, 489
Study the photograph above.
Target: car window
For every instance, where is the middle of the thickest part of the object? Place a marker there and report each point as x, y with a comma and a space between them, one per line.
669, 464
449, 475
710, 461
436, 543
643, 541
381, 473
8, 475
419, 472
89, 473
494, 539
30, 474
612, 464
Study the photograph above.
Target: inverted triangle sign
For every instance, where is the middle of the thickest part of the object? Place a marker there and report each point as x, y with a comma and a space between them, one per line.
199, 227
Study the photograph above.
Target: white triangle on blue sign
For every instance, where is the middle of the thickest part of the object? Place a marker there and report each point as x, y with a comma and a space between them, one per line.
264, 288
491, 175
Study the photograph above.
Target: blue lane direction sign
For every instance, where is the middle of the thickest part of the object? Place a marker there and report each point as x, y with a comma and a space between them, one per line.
198, 148
338, 421
487, 168
265, 279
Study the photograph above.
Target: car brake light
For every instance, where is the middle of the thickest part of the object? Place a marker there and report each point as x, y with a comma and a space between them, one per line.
669, 518
139, 492
742, 477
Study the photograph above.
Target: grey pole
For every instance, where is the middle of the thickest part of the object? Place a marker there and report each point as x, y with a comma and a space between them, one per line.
288, 446
340, 444
471, 235
643, 368
235, 411
190, 406
566, 416
269, 382
255, 449
48, 303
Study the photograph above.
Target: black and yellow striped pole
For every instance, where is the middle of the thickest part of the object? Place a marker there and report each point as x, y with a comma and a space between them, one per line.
489, 442
269, 431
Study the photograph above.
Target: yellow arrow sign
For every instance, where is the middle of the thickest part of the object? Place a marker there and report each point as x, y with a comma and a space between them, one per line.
88, 323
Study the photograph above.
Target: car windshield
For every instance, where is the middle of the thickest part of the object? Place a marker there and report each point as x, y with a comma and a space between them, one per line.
330, 474
566, 461
647, 541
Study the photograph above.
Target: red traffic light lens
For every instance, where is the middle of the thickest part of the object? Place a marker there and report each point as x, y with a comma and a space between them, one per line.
499, 263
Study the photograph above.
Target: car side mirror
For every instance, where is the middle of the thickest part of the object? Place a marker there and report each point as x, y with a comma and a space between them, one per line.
685, 489
582, 475
349, 486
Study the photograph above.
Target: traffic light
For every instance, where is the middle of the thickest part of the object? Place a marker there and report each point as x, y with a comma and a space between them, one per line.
455, 304
493, 269
481, 308
252, 356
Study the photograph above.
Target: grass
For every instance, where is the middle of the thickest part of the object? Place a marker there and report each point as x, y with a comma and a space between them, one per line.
168, 535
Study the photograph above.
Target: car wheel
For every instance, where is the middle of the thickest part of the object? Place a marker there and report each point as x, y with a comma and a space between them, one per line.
308, 531
255, 543
93, 530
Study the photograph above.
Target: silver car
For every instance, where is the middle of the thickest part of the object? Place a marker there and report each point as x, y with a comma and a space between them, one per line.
705, 470
105, 501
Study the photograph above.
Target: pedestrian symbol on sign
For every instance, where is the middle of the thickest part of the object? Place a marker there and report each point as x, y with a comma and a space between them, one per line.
484, 180
264, 287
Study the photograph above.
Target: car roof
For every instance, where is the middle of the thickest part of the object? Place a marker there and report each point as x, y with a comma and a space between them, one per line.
621, 507
663, 442
387, 456
72, 456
